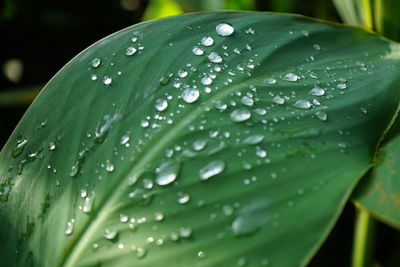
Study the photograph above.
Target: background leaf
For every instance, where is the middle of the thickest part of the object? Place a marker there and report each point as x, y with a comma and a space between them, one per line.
141, 152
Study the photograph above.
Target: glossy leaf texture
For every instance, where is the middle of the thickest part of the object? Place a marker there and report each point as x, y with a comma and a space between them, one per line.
210, 139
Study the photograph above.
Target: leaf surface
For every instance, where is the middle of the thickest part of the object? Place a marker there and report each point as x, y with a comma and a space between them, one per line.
155, 148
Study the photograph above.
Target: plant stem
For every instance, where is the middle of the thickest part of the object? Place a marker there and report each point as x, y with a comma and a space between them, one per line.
367, 14
364, 236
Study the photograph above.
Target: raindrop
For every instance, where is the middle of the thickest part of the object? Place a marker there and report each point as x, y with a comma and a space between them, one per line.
21, 143
317, 91
96, 62
164, 80
134, 39
261, 153
148, 184
130, 51
167, 173
190, 95
206, 80
278, 100
161, 104
248, 101
224, 29
207, 41
158, 216
182, 73
69, 229
317, 47
199, 144
109, 167
211, 169
88, 204
124, 140
291, 77
270, 81
110, 234
341, 86
214, 57
201, 254
123, 218
183, 198
321, 115
251, 218
185, 232
239, 115
93, 77
107, 80
198, 51
140, 252
302, 104
254, 139
144, 123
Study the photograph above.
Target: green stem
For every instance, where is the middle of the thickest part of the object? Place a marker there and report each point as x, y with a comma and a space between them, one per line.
364, 236
367, 14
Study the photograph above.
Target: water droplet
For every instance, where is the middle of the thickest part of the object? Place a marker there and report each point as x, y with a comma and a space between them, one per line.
317, 91
190, 95
107, 80
183, 198
270, 81
69, 229
185, 232
201, 254
130, 51
161, 104
214, 57
123, 218
321, 115
278, 100
291, 77
96, 62
302, 104
93, 77
182, 73
88, 203
207, 41
165, 80
167, 173
199, 144
251, 218
239, 115
242, 261
317, 47
224, 29
144, 123
341, 86
110, 234
21, 143
197, 51
148, 184
227, 210
261, 153
211, 169
134, 39
124, 140
109, 167
140, 252
206, 80
253, 139
248, 101
158, 216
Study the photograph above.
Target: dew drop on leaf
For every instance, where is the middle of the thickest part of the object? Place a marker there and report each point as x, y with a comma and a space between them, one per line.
278, 100
69, 229
214, 57
167, 173
96, 62
197, 51
321, 115
316, 91
302, 104
130, 51
190, 95
254, 139
107, 80
161, 104
207, 41
224, 29
110, 234
291, 77
211, 169
239, 115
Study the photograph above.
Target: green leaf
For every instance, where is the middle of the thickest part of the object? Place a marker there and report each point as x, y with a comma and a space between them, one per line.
355, 12
141, 153
161, 8
379, 192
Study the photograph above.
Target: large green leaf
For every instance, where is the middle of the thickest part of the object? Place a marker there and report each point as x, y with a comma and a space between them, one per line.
379, 192
282, 123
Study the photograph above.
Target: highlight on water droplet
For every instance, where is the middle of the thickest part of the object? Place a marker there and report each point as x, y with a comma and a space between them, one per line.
96, 62
161, 104
214, 57
316, 91
167, 172
207, 41
302, 104
190, 95
239, 115
130, 51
